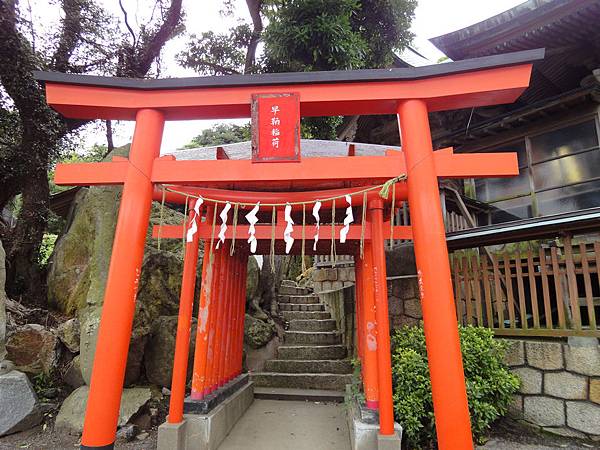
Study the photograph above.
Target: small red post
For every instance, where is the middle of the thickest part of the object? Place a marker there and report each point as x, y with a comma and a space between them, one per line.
227, 321
211, 352
359, 313
220, 324
242, 312
369, 326
114, 333
453, 425
384, 359
204, 311
184, 323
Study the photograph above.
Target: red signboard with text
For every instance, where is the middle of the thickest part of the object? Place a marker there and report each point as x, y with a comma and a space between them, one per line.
275, 127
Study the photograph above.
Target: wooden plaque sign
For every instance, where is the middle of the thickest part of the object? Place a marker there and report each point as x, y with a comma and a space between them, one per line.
275, 127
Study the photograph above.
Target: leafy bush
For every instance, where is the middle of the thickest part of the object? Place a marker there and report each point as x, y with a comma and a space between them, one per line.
490, 385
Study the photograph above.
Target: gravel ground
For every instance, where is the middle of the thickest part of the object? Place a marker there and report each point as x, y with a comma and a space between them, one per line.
507, 434
39, 439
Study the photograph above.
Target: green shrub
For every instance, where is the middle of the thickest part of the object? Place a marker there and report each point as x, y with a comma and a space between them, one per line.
490, 385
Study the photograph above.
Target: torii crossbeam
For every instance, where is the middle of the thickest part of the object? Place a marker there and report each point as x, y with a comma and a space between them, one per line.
409, 93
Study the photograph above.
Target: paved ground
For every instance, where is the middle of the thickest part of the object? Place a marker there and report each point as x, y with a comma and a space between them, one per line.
278, 425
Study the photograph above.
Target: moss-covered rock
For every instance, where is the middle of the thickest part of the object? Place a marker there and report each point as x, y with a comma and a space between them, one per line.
79, 269
252, 279
2, 304
257, 333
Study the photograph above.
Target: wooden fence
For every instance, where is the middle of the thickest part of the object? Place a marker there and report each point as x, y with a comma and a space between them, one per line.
539, 291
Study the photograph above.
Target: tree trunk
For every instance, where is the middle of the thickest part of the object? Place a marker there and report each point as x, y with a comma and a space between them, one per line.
25, 280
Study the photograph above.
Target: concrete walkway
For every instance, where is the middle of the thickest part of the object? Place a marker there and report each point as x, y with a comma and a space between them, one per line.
290, 425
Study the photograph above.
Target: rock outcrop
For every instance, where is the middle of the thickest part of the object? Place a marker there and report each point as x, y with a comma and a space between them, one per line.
18, 403
72, 412
257, 333
79, 269
33, 349
158, 359
68, 333
2, 304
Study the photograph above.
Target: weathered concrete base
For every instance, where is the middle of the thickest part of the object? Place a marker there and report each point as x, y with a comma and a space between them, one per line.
392, 442
363, 424
206, 431
172, 435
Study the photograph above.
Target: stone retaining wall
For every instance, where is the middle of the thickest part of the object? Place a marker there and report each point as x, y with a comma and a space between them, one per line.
340, 303
332, 278
560, 389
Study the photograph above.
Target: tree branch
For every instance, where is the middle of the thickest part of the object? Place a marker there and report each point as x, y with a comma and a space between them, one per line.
155, 43
257, 28
69, 36
127, 23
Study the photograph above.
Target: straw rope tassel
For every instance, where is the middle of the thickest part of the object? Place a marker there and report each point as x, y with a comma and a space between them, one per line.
160, 220
185, 219
272, 253
303, 265
333, 255
363, 224
392, 217
233, 232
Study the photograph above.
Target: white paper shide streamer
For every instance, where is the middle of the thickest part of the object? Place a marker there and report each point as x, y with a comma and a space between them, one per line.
347, 220
193, 225
287, 233
223, 217
252, 220
315, 213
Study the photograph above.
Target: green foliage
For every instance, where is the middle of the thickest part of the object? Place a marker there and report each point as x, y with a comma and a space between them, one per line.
217, 53
221, 134
356, 391
490, 385
47, 248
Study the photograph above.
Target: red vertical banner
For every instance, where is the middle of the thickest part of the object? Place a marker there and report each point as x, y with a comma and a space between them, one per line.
275, 127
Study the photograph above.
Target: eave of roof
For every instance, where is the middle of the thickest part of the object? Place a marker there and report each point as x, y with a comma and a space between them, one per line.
273, 79
534, 23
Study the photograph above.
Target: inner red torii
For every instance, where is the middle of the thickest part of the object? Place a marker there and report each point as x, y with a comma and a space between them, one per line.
409, 93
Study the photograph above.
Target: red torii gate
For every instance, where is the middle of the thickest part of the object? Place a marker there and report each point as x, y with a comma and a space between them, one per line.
409, 93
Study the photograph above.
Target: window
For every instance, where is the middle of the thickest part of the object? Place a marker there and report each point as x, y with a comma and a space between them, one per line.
559, 172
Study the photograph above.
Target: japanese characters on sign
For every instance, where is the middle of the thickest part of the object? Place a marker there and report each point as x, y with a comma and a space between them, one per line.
275, 127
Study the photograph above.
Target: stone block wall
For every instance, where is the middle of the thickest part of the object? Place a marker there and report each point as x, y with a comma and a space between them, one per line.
560, 389
333, 278
340, 303
404, 304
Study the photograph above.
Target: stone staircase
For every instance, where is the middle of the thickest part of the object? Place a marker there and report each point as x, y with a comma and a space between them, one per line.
311, 361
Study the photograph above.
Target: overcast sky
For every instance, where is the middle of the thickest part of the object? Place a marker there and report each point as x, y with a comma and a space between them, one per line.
433, 18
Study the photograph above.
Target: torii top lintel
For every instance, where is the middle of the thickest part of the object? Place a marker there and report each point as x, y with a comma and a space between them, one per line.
474, 82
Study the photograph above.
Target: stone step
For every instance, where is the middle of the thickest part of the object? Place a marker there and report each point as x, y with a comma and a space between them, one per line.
305, 315
312, 325
312, 337
311, 352
301, 307
327, 381
291, 283
294, 290
343, 366
312, 298
301, 395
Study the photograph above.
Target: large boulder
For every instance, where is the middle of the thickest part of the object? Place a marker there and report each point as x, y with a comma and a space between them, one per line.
2, 304
79, 269
257, 333
158, 359
18, 403
33, 349
72, 412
